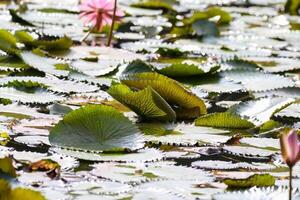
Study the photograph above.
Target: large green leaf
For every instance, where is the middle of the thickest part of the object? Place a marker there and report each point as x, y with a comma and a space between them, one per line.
147, 102
172, 91
223, 120
8, 42
188, 67
258, 180
63, 43
96, 128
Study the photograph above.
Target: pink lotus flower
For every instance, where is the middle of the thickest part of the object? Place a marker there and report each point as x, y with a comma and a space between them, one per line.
290, 148
99, 12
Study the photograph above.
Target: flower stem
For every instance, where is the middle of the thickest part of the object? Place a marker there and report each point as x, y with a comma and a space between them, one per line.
290, 183
112, 25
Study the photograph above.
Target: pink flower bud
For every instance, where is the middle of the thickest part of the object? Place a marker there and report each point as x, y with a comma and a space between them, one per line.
290, 148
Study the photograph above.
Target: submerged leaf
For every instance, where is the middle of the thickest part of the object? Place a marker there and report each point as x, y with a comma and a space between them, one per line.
258, 180
204, 28
223, 120
147, 102
172, 91
96, 128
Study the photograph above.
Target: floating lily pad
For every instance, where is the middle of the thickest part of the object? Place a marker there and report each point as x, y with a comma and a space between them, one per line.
43, 64
259, 180
96, 128
223, 120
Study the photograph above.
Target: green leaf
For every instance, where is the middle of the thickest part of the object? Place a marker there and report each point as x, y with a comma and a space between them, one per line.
292, 7
137, 66
211, 12
154, 4
256, 180
170, 53
96, 128
8, 42
16, 18
269, 125
7, 167
189, 67
172, 91
147, 102
63, 43
204, 28
223, 120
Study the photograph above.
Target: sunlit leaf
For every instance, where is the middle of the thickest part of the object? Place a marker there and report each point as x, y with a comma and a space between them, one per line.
43, 64
223, 120
147, 102
172, 91
8, 42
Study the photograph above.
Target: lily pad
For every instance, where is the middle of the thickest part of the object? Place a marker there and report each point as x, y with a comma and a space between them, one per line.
96, 128
223, 120
259, 180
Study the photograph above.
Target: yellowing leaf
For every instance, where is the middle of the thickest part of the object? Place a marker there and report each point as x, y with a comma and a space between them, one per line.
7, 167
147, 103
26, 194
172, 91
223, 120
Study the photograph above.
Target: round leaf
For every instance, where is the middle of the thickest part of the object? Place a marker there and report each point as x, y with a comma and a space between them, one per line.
96, 128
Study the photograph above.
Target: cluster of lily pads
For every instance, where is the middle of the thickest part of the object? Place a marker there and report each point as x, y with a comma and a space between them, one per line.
189, 103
